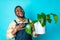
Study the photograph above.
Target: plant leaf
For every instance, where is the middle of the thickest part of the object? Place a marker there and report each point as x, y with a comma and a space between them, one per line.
55, 17
48, 16
34, 21
42, 19
28, 29
49, 20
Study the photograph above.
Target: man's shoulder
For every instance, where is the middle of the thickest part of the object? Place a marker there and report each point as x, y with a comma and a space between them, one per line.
12, 22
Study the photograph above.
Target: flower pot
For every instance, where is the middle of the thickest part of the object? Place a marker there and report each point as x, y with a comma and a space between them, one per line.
39, 29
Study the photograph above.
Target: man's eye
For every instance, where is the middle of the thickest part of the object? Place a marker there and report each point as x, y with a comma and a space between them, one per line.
19, 10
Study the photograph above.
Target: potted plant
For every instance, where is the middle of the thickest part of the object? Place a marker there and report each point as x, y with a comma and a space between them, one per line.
40, 23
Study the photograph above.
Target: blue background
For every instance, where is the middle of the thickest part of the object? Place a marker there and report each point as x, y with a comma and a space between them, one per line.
31, 8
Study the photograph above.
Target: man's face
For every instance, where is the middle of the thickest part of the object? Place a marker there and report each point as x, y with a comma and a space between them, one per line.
19, 12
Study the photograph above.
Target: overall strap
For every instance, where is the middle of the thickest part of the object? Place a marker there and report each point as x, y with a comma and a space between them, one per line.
28, 21
16, 23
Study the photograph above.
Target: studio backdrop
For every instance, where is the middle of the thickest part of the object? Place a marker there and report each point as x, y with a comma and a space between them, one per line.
31, 8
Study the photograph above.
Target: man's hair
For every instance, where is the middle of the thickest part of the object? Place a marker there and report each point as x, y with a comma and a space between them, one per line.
21, 8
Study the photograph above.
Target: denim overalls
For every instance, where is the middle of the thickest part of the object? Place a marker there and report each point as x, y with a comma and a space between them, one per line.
22, 35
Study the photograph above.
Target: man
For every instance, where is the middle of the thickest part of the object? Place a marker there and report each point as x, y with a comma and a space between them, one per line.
17, 27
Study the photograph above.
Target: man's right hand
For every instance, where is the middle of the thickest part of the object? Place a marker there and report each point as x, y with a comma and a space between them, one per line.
17, 28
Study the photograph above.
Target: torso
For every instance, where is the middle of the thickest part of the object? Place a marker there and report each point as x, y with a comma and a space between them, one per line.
21, 34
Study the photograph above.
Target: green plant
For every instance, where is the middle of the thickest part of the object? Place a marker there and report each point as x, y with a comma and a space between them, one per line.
42, 18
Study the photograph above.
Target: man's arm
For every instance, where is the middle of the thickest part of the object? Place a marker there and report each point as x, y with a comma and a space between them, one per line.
17, 28
9, 31
33, 30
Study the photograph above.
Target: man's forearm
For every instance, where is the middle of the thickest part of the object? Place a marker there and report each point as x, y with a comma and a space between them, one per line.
14, 31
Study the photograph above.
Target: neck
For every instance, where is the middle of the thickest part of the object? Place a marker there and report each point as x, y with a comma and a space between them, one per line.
21, 19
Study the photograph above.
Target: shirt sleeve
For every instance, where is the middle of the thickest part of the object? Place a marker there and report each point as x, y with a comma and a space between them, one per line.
10, 29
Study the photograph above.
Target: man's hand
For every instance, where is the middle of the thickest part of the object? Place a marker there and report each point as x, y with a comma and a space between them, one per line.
17, 28
35, 34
